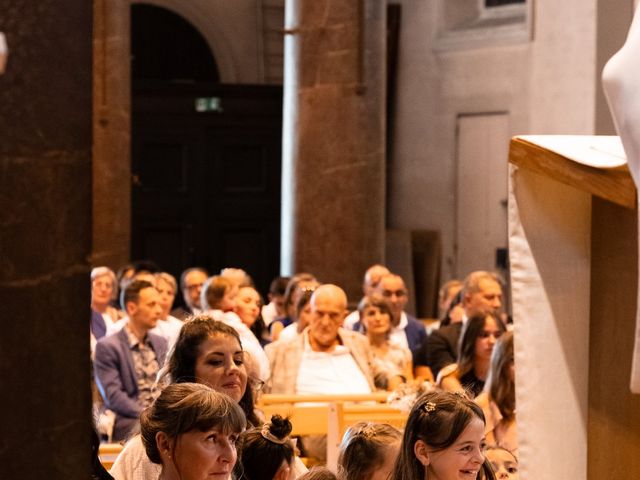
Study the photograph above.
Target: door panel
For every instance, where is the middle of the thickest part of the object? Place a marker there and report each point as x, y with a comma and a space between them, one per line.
207, 184
481, 196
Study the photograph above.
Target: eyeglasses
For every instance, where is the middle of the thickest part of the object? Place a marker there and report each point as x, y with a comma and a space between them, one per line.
256, 384
194, 286
397, 293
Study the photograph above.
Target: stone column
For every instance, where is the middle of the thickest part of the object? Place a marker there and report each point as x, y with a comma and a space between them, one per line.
111, 133
45, 239
334, 139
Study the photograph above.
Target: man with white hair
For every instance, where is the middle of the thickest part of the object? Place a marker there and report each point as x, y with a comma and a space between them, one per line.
325, 358
103, 315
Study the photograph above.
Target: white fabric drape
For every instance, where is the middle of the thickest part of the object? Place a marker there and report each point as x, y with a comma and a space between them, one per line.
549, 244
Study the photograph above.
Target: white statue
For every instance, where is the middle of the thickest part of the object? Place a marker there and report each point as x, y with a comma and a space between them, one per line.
621, 82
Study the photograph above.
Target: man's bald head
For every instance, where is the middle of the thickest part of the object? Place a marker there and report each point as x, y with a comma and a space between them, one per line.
372, 277
331, 293
328, 309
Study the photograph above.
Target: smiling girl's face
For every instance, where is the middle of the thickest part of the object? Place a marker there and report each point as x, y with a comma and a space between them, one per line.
460, 461
220, 365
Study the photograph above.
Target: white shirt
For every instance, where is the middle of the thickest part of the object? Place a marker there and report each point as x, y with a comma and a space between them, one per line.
289, 332
397, 334
329, 372
269, 313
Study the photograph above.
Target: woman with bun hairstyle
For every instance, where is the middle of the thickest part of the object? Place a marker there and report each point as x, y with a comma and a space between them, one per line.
191, 430
443, 440
267, 452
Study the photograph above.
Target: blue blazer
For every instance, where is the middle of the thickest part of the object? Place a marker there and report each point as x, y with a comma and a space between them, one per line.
116, 375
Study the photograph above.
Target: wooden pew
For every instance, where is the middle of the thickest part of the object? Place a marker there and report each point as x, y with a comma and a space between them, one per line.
331, 415
108, 453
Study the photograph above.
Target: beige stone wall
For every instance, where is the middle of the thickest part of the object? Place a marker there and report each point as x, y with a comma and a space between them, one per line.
547, 85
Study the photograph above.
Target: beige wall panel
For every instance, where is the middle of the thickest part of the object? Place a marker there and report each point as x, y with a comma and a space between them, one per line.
481, 190
614, 413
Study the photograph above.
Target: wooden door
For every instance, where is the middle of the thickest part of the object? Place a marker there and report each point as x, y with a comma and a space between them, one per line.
481, 193
206, 184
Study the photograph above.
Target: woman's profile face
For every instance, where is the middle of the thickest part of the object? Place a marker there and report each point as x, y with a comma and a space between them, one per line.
461, 460
375, 320
487, 339
247, 305
220, 365
207, 455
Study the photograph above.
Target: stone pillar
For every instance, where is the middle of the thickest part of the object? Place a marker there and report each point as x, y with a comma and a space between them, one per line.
333, 186
111, 133
45, 239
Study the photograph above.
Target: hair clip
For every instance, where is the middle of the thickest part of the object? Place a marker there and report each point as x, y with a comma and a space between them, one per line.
367, 431
267, 435
429, 407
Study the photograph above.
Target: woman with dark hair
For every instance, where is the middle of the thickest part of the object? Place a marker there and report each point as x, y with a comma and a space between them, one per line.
191, 431
267, 452
498, 400
443, 440
208, 352
477, 340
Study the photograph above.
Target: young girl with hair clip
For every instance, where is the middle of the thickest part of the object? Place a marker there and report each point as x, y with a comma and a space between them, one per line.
443, 440
368, 451
498, 400
477, 340
267, 452
191, 430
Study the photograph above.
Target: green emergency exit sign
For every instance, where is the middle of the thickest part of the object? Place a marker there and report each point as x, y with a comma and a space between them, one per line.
208, 104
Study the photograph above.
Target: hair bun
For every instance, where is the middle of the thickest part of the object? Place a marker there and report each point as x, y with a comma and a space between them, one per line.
280, 427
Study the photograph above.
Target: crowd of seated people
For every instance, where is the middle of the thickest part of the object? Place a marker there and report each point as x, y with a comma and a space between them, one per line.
203, 365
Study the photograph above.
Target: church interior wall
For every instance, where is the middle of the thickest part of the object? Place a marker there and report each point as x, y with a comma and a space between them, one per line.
548, 84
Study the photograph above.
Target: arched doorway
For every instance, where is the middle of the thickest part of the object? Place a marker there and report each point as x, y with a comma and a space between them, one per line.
205, 156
